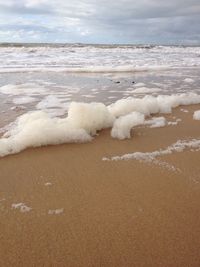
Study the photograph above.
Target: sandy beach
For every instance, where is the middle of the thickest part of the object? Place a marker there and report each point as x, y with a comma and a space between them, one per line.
65, 206
99, 133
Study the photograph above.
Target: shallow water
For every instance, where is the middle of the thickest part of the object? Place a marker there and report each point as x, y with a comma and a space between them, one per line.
92, 73
27, 90
49, 78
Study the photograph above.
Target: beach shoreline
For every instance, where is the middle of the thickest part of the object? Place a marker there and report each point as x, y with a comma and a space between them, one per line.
64, 206
105, 202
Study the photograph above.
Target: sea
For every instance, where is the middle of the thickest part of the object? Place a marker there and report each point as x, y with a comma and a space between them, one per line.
63, 81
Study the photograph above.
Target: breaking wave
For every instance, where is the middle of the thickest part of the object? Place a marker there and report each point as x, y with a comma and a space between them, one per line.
87, 69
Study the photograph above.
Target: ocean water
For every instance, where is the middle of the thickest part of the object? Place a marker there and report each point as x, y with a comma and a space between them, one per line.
91, 58
118, 87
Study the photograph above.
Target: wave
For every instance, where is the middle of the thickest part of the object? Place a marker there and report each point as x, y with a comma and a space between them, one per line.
91, 69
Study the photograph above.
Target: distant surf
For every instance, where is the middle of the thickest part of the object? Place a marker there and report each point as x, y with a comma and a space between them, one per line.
92, 69
96, 58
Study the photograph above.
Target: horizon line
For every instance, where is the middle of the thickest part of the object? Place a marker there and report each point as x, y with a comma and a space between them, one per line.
105, 44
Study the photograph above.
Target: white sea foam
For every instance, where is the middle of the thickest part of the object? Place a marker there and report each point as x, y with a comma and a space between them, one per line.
24, 100
18, 108
146, 90
90, 117
179, 146
56, 112
89, 96
21, 207
56, 211
196, 115
54, 105
50, 101
152, 105
48, 184
37, 128
156, 122
123, 125
173, 123
88, 69
184, 110
139, 84
97, 58
22, 89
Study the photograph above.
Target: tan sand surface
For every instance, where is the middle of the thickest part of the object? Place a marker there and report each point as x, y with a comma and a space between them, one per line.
109, 213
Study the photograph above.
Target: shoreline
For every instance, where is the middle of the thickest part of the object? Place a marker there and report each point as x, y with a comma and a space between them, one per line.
82, 211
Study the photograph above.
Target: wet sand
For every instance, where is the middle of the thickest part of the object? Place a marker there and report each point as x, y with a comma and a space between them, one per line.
124, 213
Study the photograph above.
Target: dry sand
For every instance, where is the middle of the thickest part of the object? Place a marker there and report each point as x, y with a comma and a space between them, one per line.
124, 213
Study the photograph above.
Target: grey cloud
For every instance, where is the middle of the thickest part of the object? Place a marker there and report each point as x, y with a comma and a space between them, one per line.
25, 7
150, 21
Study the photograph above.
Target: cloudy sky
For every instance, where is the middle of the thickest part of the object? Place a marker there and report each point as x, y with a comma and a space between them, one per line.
100, 21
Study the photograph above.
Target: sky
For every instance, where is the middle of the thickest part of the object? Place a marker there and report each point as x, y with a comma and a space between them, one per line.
101, 21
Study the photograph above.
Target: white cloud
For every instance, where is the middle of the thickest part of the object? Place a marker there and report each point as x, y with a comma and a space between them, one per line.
103, 21
35, 3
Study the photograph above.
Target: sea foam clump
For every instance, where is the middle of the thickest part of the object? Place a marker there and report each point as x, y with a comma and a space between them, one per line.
21, 207
23, 89
123, 125
90, 117
151, 105
23, 100
37, 128
196, 115
146, 90
156, 122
